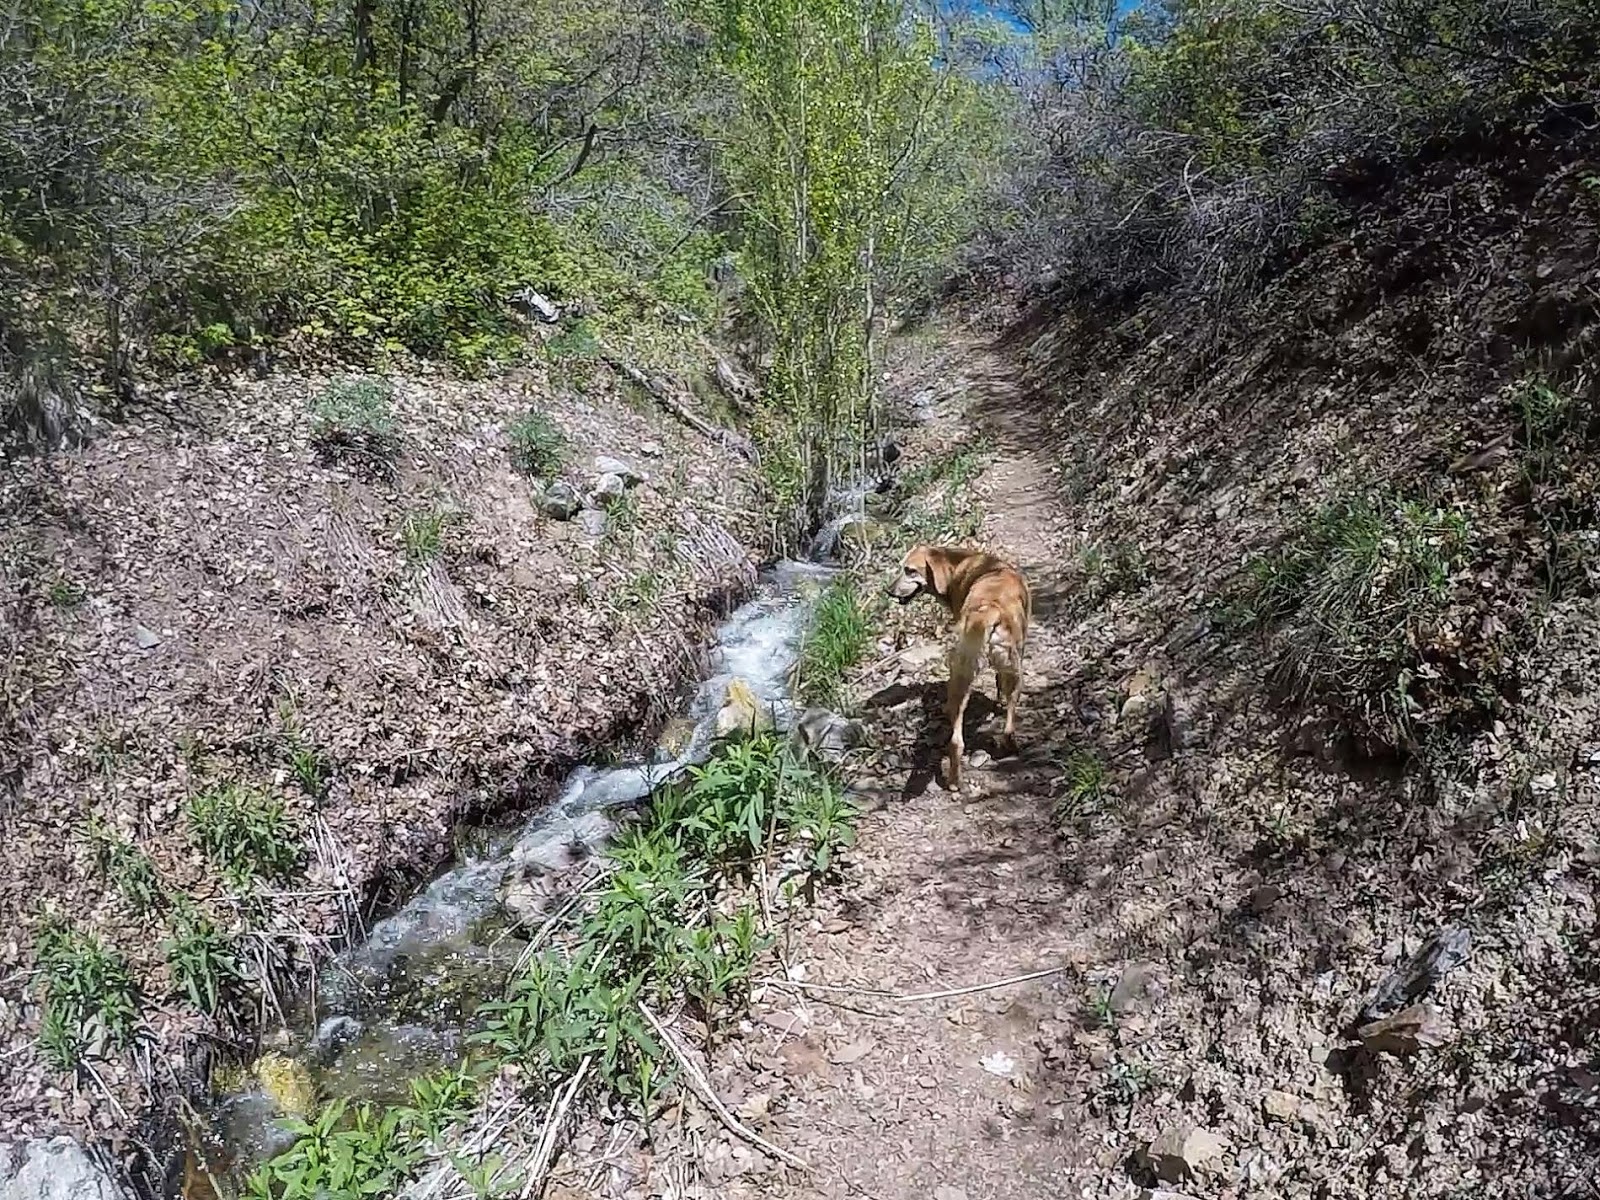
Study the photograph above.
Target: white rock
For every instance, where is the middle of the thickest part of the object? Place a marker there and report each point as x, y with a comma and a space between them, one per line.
606, 465
1183, 1152
53, 1169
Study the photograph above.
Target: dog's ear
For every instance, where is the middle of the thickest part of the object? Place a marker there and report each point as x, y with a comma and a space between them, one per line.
936, 571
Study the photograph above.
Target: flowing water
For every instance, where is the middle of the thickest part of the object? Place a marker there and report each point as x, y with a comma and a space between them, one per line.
401, 1003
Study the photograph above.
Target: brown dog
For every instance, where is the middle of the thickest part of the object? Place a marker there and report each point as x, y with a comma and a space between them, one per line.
990, 601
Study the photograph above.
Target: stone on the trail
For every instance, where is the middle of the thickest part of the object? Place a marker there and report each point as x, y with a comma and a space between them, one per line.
604, 464
741, 711
827, 733
55, 1168
1420, 1027
914, 658
145, 638
1163, 1194
1442, 953
560, 501
1262, 898
1182, 1153
1280, 1106
1130, 987
608, 489
592, 521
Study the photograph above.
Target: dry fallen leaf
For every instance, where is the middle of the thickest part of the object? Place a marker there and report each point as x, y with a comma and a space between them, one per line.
854, 1052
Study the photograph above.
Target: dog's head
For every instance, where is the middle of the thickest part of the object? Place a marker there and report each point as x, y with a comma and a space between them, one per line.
923, 570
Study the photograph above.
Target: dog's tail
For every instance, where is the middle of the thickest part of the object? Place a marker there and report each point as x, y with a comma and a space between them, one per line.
985, 634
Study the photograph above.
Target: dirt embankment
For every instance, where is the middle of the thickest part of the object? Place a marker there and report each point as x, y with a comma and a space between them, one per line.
1315, 676
210, 612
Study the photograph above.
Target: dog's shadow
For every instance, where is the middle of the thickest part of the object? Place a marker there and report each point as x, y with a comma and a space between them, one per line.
933, 735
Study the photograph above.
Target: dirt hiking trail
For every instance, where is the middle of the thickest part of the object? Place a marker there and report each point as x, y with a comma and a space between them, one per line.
948, 1096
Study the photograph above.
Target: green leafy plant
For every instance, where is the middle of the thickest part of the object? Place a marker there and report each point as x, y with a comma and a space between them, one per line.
91, 1004
1352, 597
356, 417
125, 866
578, 340
538, 447
346, 1153
819, 814
422, 534
1083, 786
201, 957
247, 833
64, 593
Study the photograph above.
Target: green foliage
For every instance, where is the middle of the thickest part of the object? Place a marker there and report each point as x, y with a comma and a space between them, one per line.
176, 178
372, 1153
1110, 570
822, 819
538, 447
362, 1151
90, 1002
64, 593
841, 631
247, 833
201, 958
668, 923
1083, 786
1205, 144
356, 417
422, 535
1355, 596
578, 341
838, 158
126, 867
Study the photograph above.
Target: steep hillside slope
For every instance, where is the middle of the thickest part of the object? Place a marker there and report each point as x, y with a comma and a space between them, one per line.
270, 641
1330, 577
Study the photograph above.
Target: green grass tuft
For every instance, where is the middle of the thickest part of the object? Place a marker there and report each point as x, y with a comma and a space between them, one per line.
1352, 597
126, 867
355, 417
422, 535
538, 447
841, 630
201, 957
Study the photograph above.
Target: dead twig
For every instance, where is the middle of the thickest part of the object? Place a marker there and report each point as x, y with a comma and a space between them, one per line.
552, 1129
702, 1088
915, 997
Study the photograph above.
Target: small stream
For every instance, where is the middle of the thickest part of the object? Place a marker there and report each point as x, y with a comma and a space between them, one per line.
401, 1003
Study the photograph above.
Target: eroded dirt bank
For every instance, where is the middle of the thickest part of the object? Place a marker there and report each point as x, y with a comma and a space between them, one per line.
379, 633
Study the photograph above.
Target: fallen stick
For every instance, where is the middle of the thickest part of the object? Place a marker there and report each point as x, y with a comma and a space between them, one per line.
702, 1088
727, 437
914, 997
552, 1129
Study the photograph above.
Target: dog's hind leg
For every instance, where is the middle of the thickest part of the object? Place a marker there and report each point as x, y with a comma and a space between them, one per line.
963, 670
1008, 683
